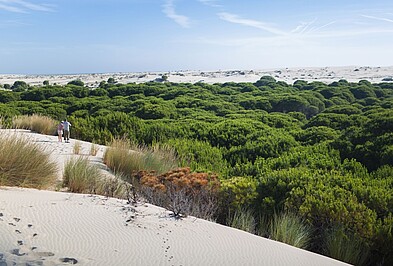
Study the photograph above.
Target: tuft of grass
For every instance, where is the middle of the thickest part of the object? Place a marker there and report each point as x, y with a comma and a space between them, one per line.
80, 176
37, 123
2, 122
120, 159
94, 149
77, 147
127, 159
242, 219
160, 158
290, 229
24, 164
345, 247
114, 187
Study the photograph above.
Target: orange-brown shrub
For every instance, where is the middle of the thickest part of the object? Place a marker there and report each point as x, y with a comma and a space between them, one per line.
182, 191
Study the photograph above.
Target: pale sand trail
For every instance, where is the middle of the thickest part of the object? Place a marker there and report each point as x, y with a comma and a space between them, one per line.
45, 227
288, 75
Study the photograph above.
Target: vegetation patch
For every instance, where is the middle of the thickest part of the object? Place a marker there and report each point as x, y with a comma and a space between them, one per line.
182, 192
37, 123
24, 164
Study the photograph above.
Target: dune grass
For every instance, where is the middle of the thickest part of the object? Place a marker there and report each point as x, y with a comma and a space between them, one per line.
37, 123
77, 147
2, 122
94, 149
24, 164
345, 247
126, 159
114, 187
242, 219
288, 228
80, 176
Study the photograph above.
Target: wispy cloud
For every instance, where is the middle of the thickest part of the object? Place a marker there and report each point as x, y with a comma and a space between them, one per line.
303, 27
11, 8
378, 18
316, 29
233, 18
170, 12
20, 6
212, 3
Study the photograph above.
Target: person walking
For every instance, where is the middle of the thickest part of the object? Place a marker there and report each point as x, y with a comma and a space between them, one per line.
66, 128
60, 131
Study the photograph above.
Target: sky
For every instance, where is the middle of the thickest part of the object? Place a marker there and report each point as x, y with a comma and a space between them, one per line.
100, 36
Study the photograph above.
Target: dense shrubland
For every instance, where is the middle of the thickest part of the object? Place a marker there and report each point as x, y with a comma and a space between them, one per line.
321, 151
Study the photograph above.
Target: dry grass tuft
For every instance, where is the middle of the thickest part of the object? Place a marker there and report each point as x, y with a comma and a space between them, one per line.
94, 149
37, 123
127, 159
24, 164
77, 147
80, 176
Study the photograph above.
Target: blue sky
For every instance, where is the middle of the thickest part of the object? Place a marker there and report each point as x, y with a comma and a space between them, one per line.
95, 36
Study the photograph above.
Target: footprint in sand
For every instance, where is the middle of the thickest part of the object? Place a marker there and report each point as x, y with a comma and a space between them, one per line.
69, 260
16, 252
44, 254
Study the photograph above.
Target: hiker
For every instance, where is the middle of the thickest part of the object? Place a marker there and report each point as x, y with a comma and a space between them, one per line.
60, 131
66, 128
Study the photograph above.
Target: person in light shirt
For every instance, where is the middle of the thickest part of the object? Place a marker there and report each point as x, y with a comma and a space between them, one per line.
66, 129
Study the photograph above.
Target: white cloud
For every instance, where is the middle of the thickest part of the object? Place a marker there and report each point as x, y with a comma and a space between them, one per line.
212, 3
170, 12
233, 18
303, 27
20, 6
11, 8
316, 29
378, 18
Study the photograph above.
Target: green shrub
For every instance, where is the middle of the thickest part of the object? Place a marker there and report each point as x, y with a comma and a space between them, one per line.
199, 155
24, 164
239, 190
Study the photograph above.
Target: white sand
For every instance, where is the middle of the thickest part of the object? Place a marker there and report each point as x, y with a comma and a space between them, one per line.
46, 227
289, 75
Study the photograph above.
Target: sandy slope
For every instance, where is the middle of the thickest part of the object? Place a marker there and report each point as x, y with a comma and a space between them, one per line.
57, 228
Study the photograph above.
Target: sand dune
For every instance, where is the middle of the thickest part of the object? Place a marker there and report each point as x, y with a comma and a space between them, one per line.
289, 75
58, 228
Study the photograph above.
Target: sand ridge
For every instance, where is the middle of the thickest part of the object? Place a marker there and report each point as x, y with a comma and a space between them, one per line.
40, 227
